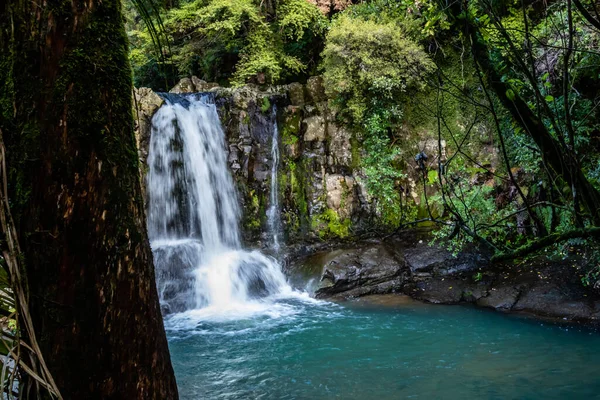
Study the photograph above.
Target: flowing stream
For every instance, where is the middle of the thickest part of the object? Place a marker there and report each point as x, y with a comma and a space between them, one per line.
237, 330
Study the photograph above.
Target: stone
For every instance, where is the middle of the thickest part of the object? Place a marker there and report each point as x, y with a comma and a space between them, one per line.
147, 101
359, 272
316, 89
500, 298
185, 85
233, 153
296, 93
340, 147
423, 258
550, 300
437, 291
314, 128
146, 104
340, 194
203, 86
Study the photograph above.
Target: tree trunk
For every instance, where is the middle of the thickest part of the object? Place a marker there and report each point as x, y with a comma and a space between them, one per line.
562, 160
65, 96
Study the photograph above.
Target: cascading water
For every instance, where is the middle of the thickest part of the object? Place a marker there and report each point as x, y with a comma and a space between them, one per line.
273, 218
193, 215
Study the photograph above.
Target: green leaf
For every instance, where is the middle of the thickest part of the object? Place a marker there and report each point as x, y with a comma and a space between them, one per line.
510, 94
549, 99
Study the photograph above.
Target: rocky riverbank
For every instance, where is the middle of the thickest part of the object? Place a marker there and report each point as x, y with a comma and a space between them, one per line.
406, 264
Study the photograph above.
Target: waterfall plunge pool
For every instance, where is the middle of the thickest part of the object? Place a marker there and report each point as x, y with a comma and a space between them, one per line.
298, 348
237, 330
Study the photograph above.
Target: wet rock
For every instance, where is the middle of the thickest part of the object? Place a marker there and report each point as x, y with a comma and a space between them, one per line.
358, 272
340, 148
146, 104
423, 258
447, 291
552, 300
501, 298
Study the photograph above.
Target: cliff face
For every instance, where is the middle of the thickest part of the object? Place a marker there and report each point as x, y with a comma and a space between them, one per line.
322, 191
320, 188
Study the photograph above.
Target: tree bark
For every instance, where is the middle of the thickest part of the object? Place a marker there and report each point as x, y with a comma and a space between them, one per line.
66, 114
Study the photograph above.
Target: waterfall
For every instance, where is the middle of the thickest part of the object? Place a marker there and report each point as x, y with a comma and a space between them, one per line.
193, 215
273, 217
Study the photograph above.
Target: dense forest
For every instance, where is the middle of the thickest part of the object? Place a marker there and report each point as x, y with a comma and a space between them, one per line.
475, 121
521, 76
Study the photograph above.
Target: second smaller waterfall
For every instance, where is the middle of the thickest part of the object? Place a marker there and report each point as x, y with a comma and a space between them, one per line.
273, 217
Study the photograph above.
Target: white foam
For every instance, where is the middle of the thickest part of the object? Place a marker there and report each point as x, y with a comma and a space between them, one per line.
193, 213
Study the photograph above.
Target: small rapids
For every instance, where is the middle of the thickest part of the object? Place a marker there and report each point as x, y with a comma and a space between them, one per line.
193, 214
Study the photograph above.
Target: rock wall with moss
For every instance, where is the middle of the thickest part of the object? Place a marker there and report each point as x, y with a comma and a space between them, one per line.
322, 190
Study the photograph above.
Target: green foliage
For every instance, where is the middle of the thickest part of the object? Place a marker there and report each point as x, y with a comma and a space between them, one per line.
420, 20
475, 206
235, 41
370, 65
368, 68
296, 18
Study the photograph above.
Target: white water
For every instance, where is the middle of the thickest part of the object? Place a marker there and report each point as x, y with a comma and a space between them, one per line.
273, 217
193, 216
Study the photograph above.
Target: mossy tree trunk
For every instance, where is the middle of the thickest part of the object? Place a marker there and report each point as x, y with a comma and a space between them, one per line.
66, 116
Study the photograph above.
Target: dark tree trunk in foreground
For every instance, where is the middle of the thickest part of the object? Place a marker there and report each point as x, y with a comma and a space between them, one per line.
65, 97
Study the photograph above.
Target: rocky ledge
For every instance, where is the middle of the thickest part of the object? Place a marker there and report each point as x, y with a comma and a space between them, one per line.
407, 264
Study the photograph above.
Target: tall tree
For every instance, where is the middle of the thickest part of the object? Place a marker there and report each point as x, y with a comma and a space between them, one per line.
561, 158
66, 117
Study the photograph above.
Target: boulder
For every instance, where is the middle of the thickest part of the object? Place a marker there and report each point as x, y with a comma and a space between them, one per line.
447, 291
502, 298
359, 272
203, 86
552, 300
185, 85
146, 104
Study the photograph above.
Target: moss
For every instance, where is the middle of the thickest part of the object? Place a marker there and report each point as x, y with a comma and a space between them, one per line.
291, 128
293, 187
345, 193
254, 215
298, 185
328, 224
290, 140
265, 105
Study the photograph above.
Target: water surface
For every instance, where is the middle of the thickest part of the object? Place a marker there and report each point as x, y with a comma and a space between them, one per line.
304, 349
